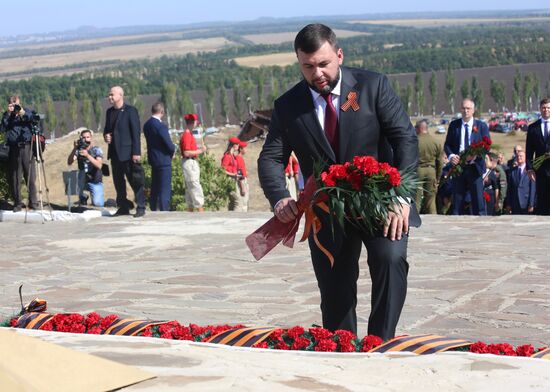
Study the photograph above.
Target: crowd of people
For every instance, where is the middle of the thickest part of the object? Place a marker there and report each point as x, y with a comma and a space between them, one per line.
488, 184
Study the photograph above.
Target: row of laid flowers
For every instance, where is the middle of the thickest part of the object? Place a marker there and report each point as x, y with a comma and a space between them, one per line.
295, 338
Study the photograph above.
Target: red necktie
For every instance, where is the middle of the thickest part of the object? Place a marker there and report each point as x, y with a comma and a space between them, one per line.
331, 123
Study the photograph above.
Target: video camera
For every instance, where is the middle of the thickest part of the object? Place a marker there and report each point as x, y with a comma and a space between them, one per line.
82, 143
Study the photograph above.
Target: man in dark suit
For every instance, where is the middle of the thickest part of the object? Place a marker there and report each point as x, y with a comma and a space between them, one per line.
536, 145
461, 133
160, 151
332, 115
123, 135
520, 197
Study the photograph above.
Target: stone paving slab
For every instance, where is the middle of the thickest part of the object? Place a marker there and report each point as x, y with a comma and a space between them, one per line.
470, 277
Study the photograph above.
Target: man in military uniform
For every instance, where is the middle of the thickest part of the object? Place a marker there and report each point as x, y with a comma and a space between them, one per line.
430, 164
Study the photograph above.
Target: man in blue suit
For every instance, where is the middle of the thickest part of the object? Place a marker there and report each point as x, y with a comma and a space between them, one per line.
160, 151
123, 135
520, 197
461, 133
538, 144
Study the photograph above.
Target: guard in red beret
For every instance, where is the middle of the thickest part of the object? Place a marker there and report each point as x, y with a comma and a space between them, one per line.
194, 196
234, 140
190, 117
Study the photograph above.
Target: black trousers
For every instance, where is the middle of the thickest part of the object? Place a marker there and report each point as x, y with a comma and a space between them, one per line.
543, 193
388, 268
120, 171
22, 164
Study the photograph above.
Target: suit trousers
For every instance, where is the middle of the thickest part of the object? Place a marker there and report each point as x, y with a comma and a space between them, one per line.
21, 164
468, 181
123, 169
161, 188
387, 261
543, 193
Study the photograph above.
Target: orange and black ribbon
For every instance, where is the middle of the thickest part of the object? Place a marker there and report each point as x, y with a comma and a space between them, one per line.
543, 354
242, 337
421, 344
33, 320
351, 102
129, 327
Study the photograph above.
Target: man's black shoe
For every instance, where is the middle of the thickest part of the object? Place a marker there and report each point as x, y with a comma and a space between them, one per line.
17, 208
122, 211
139, 213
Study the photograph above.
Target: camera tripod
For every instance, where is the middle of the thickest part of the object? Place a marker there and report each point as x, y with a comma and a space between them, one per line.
37, 160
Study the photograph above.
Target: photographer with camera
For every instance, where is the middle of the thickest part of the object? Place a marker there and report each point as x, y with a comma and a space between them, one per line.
18, 123
90, 160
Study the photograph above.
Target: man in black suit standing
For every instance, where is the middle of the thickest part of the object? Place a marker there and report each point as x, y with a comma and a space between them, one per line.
332, 115
461, 133
160, 151
538, 144
123, 135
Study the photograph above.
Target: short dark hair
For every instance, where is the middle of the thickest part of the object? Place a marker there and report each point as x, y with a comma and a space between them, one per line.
13, 99
420, 122
86, 131
544, 101
157, 108
313, 36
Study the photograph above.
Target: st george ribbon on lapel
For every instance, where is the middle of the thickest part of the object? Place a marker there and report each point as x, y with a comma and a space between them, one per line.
331, 122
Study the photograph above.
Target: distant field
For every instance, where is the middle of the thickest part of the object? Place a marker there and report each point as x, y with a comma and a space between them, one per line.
278, 38
105, 40
110, 53
448, 21
280, 59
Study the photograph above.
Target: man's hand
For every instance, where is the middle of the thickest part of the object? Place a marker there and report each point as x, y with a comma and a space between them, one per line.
455, 160
108, 137
532, 176
136, 158
286, 210
83, 152
397, 222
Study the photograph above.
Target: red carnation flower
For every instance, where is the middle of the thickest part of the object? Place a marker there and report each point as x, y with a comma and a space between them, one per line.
282, 346
325, 345
13, 322
354, 178
300, 344
394, 178
147, 332
525, 351
94, 331
479, 348
347, 347
327, 179
320, 333
47, 326
262, 344
295, 332
366, 164
369, 342
107, 321
92, 319
344, 335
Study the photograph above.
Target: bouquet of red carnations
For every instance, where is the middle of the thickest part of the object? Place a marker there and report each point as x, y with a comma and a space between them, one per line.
364, 191
477, 149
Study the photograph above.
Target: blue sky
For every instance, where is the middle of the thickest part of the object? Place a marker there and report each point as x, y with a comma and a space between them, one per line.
39, 16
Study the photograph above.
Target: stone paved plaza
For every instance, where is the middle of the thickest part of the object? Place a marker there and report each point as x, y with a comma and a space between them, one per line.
470, 277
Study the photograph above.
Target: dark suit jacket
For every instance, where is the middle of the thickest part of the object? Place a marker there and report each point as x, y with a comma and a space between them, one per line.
521, 190
536, 146
126, 133
453, 140
294, 127
160, 148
